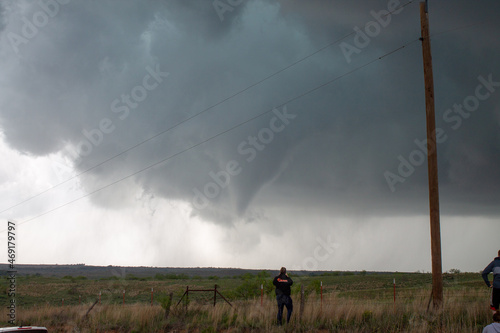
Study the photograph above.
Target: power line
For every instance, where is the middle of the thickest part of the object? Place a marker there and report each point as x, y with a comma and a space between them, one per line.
223, 132
197, 114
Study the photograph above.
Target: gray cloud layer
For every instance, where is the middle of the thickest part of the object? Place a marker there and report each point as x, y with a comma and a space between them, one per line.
76, 74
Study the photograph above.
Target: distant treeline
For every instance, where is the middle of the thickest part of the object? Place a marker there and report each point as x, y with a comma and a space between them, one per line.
157, 273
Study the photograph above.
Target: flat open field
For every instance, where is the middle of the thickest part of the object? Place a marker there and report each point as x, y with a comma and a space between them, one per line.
346, 302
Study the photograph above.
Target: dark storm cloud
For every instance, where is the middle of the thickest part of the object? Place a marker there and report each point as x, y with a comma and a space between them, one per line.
2, 17
70, 84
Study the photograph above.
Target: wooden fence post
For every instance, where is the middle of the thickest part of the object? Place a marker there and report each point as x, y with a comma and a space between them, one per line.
215, 294
301, 310
394, 284
261, 293
321, 292
169, 303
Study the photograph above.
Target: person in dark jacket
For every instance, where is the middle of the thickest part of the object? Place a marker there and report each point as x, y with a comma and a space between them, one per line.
493, 267
283, 283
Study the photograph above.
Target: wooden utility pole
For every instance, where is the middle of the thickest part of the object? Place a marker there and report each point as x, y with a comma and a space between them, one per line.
437, 278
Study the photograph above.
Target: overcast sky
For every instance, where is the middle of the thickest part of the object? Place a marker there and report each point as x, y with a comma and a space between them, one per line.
247, 133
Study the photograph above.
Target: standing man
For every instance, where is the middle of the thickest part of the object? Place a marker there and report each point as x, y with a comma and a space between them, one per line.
494, 267
283, 284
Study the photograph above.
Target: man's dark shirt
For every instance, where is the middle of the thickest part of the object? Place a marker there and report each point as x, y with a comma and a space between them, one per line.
282, 283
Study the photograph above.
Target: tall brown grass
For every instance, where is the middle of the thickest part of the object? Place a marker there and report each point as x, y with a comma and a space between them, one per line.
463, 311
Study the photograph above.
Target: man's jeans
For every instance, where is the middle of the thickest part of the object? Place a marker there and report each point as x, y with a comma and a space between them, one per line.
284, 300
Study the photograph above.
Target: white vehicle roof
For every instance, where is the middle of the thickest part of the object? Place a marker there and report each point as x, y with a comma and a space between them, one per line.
32, 329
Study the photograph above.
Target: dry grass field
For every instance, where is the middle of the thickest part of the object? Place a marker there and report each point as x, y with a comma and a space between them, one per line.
351, 303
